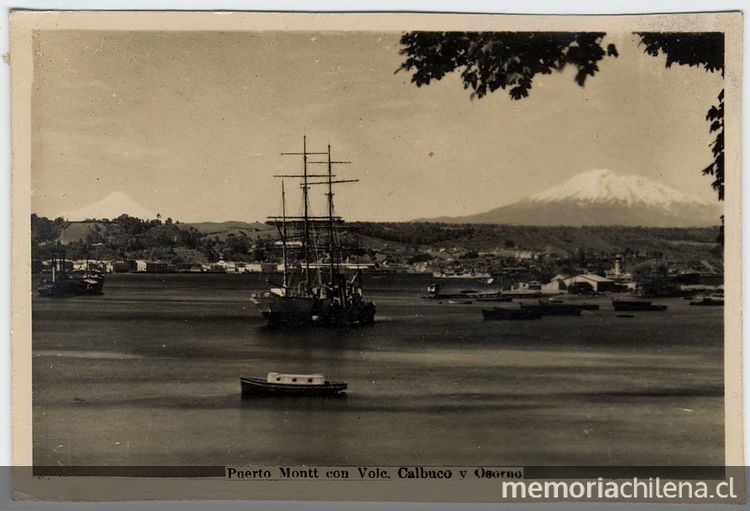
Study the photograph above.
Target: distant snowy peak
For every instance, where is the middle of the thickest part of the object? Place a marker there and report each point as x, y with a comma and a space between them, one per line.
111, 206
605, 187
601, 197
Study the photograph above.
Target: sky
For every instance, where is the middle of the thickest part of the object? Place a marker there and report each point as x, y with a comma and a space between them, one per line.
192, 124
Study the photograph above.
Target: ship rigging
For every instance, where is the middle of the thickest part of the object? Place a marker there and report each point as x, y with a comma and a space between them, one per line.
333, 300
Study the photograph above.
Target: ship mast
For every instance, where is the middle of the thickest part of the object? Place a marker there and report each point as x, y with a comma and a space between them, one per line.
308, 219
283, 234
333, 264
306, 213
331, 233
305, 227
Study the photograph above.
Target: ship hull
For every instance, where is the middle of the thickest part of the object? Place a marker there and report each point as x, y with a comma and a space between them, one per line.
304, 311
362, 314
286, 310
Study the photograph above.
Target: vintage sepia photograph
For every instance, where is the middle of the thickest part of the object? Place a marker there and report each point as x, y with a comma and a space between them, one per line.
286, 242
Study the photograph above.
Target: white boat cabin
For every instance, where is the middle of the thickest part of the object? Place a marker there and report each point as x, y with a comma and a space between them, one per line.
296, 379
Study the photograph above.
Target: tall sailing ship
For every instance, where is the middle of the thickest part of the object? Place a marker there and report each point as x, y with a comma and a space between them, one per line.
316, 293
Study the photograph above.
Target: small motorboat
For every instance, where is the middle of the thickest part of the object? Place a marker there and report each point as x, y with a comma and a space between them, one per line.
499, 313
281, 384
547, 308
493, 297
434, 293
708, 301
637, 305
589, 306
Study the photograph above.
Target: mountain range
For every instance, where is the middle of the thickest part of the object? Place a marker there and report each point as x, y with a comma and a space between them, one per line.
595, 197
601, 197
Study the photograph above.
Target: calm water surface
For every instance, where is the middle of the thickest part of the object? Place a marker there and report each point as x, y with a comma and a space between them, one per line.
148, 374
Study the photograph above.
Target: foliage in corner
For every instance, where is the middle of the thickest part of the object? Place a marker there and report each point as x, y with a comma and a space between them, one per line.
695, 49
501, 60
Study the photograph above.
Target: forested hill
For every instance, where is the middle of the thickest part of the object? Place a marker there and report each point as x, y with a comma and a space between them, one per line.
672, 242
127, 237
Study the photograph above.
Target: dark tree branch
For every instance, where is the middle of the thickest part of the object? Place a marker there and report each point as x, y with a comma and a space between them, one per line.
716, 168
695, 49
501, 60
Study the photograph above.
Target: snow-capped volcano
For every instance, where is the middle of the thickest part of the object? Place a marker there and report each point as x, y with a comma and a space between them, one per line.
606, 187
111, 206
601, 197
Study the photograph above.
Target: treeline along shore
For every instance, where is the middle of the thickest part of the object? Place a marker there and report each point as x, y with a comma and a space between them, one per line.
130, 244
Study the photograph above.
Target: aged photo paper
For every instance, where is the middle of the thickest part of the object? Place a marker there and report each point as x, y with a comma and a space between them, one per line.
376, 257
